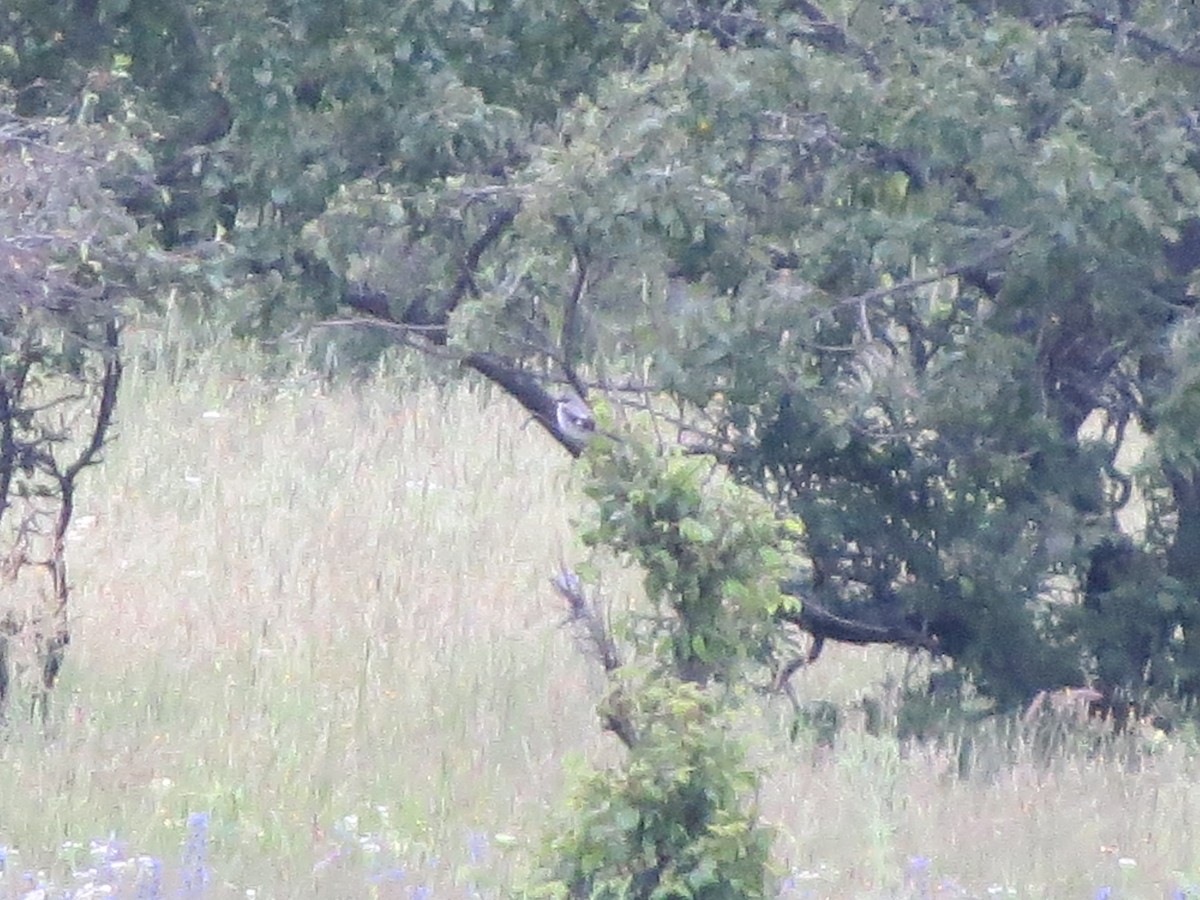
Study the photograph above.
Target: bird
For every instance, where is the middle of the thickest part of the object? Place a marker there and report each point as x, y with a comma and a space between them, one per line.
575, 419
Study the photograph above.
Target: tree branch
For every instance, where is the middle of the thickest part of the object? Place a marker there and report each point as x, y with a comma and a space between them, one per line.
526, 388
1135, 35
569, 339
911, 284
822, 624
593, 633
827, 35
500, 220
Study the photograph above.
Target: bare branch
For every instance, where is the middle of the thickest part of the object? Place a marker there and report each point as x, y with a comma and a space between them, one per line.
911, 284
829, 36
465, 282
593, 633
590, 625
569, 337
109, 384
1133, 33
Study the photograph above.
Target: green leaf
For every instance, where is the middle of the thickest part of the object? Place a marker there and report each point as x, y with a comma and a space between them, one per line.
696, 531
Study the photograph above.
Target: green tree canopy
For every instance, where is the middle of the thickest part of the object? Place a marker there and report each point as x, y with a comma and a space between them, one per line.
918, 272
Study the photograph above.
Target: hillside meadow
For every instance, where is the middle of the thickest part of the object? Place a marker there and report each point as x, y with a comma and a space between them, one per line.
316, 653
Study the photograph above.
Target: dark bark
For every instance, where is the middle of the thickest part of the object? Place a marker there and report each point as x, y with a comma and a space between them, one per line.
823, 625
64, 336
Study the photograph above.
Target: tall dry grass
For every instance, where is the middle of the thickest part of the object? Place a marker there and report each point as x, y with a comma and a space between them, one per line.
321, 616
295, 606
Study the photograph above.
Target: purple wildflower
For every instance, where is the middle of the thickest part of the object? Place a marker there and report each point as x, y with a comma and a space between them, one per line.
477, 846
149, 879
104, 854
195, 856
389, 875
917, 874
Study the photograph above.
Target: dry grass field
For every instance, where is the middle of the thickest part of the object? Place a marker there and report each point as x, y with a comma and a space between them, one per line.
316, 654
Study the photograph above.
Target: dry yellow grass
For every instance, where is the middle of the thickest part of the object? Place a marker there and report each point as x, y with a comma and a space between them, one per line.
322, 615
294, 606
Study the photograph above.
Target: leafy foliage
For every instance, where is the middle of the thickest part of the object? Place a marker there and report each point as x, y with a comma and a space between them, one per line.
918, 273
713, 555
674, 821
676, 818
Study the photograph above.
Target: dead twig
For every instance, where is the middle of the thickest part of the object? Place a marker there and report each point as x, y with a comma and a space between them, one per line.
593, 633
587, 621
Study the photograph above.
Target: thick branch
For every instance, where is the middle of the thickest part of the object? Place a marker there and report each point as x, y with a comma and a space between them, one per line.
746, 28
569, 338
11, 390
418, 314
1135, 35
823, 624
827, 35
109, 385
527, 389
500, 220
524, 386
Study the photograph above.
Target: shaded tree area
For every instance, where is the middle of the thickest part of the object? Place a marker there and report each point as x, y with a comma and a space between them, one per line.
918, 273
68, 259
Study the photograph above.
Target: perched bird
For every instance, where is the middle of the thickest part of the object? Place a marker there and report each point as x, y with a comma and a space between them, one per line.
575, 419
